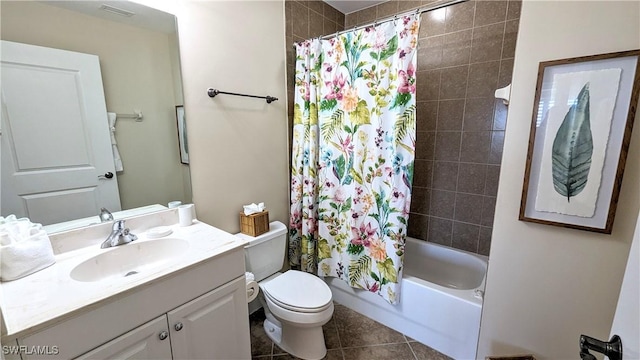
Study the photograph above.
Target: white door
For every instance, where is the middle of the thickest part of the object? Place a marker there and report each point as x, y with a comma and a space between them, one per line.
626, 322
213, 326
56, 146
149, 341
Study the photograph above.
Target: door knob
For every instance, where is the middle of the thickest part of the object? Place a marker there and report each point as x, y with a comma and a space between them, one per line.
163, 335
178, 326
106, 176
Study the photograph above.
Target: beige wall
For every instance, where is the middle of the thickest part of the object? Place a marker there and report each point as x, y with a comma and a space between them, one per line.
547, 285
238, 146
137, 73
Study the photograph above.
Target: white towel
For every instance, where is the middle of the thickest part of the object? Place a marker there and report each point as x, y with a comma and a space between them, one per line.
114, 145
25, 248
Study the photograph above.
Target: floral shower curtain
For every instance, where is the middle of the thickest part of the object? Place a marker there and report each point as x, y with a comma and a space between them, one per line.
353, 155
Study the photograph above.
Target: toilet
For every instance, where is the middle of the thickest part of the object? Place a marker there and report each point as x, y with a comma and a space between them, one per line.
296, 303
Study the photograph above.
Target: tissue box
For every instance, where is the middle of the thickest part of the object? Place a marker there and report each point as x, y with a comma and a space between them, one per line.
254, 224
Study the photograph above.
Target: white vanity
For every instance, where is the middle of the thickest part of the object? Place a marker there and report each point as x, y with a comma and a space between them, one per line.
175, 297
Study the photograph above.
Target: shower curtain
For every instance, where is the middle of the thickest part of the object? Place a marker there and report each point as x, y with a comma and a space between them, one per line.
353, 155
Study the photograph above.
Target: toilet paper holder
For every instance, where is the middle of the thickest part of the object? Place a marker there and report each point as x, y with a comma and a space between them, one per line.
252, 287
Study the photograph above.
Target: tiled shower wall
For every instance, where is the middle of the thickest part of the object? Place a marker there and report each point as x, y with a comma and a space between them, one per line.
465, 52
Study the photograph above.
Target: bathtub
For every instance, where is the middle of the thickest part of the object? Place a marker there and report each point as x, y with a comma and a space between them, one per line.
440, 299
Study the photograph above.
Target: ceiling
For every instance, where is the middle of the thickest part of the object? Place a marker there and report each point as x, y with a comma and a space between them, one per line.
143, 16
349, 6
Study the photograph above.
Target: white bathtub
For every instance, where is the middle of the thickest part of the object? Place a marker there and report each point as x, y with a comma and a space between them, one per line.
440, 299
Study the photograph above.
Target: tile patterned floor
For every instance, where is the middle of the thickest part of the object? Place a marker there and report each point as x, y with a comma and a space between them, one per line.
348, 336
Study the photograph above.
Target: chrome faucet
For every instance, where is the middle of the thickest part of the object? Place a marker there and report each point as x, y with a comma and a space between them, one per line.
119, 235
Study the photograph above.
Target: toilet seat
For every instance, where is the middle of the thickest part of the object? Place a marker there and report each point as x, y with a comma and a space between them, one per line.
298, 291
296, 308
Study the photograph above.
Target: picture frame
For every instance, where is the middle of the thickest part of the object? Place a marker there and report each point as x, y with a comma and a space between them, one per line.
183, 144
583, 114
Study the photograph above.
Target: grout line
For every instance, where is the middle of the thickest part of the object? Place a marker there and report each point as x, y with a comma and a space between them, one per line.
411, 348
466, 91
374, 345
458, 192
335, 325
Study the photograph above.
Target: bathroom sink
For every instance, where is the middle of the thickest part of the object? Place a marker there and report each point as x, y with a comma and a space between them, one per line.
130, 259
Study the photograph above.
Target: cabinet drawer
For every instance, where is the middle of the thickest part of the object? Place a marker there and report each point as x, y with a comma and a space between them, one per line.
147, 342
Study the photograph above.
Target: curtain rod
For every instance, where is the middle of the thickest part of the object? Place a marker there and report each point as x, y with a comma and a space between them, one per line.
394, 17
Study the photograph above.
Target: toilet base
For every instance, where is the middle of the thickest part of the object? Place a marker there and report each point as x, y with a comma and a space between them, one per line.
305, 343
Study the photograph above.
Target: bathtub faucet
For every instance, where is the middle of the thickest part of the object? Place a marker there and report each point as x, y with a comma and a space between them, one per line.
611, 349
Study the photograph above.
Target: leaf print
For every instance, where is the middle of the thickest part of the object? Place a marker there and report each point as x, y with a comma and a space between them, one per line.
358, 268
347, 176
326, 105
313, 114
405, 123
354, 50
392, 47
326, 269
329, 128
355, 249
356, 176
572, 148
318, 63
297, 114
324, 250
401, 99
339, 167
347, 205
407, 177
388, 270
361, 115
391, 295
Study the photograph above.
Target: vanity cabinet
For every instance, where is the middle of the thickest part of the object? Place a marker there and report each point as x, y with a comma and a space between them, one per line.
208, 327
204, 328
202, 309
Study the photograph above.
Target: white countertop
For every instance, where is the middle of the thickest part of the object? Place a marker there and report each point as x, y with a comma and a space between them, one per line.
51, 295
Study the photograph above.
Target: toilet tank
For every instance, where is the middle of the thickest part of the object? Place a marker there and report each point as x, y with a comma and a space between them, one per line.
264, 254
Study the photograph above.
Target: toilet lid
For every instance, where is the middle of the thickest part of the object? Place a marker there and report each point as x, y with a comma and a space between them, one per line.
299, 290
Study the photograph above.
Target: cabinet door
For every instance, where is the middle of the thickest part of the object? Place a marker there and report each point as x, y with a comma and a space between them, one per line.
149, 341
213, 326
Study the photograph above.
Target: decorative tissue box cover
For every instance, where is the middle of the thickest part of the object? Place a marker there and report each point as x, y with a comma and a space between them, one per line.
254, 224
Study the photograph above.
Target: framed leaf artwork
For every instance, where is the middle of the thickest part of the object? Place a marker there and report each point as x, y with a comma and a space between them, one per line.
582, 119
